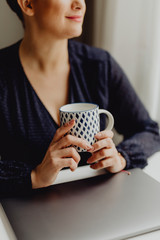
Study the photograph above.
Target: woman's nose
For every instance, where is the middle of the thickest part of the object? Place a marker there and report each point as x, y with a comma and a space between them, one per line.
78, 4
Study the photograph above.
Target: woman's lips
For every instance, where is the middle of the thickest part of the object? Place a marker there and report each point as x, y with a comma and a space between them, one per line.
75, 18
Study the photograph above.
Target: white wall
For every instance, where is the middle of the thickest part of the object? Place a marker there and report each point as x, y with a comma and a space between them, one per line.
129, 30
11, 28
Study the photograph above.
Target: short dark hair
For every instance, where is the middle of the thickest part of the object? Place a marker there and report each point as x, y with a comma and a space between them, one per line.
16, 8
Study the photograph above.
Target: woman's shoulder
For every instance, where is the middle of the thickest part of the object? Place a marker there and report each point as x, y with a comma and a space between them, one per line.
8, 55
8, 69
84, 51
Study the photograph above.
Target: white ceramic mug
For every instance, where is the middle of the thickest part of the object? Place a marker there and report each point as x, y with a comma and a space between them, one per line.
87, 123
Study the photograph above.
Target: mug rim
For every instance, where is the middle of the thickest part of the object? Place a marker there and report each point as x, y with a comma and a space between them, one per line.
85, 103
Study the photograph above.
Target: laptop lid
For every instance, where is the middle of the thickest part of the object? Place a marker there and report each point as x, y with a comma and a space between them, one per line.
100, 208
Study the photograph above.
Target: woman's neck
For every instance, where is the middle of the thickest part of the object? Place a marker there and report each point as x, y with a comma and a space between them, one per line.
43, 53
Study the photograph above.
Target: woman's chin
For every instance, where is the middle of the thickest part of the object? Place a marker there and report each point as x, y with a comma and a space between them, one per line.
75, 33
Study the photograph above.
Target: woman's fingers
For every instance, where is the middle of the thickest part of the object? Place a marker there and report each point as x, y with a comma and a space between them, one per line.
69, 153
100, 155
67, 162
62, 131
69, 140
104, 134
105, 143
112, 164
104, 151
102, 164
60, 141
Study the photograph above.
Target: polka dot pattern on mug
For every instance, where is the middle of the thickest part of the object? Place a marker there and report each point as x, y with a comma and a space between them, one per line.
86, 126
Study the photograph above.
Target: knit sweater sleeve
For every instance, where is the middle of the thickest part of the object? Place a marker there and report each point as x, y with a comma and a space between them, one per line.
15, 178
141, 133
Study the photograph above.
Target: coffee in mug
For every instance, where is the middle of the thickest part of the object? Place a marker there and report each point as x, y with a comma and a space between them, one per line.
87, 122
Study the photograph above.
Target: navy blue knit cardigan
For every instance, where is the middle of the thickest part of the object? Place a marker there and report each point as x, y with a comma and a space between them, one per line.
27, 128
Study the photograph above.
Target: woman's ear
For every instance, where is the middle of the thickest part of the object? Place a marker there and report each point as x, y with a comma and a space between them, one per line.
26, 7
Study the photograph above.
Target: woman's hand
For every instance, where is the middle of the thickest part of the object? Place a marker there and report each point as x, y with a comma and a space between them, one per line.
105, 154
60, 154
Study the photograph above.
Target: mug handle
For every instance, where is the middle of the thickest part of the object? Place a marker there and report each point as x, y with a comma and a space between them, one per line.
110, 118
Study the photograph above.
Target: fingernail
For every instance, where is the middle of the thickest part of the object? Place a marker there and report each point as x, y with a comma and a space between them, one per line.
91, 149
72, 169
69, 123
88, 146
92, 166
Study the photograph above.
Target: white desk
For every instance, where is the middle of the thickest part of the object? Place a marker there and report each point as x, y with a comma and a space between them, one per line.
153, 169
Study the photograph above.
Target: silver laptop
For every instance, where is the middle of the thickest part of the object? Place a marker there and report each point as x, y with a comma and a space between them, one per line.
106, 207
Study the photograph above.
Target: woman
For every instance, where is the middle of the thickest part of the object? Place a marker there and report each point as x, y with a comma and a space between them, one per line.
45, 71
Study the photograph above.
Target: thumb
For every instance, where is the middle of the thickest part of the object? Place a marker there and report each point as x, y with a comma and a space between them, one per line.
62, 131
